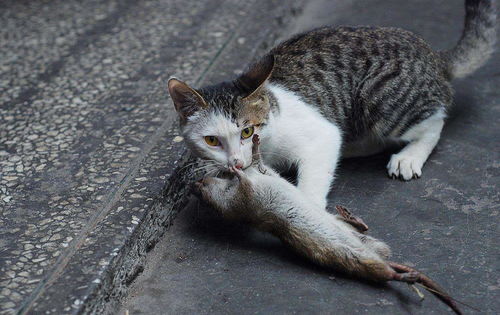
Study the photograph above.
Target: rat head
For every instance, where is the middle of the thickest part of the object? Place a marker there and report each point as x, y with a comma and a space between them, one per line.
218, 192
218, 121
225, 194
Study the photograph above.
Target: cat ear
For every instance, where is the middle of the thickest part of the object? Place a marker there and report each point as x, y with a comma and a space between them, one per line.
186, 100
254, 78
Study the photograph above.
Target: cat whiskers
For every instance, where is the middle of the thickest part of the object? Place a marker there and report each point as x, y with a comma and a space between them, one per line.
208, 167
203, 167
197, 162
213, 173
189, 164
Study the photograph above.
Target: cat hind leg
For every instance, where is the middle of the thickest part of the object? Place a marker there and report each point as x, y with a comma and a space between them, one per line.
422, 138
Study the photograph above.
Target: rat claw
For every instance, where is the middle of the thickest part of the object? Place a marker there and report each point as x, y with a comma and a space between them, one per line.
256, 139
255, 148
408, 277
236, 171
411, 277
239, 172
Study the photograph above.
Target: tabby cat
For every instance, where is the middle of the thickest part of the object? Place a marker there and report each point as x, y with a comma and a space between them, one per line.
335, 91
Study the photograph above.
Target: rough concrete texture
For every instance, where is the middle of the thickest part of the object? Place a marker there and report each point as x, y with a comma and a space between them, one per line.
445, 224
88, 139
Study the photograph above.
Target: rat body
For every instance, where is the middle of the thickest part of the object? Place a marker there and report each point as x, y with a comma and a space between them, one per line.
259, 196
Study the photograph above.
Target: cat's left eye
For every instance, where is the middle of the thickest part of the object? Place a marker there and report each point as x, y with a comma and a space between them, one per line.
246, 133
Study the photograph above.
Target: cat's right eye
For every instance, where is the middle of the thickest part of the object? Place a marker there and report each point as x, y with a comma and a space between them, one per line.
212, 141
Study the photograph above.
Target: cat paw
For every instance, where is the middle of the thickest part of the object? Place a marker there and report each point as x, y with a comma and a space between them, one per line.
405, 167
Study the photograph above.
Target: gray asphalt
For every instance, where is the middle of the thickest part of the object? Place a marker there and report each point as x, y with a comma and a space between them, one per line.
445, 224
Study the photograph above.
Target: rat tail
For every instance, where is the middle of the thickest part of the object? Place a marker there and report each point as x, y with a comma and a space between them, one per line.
427, 283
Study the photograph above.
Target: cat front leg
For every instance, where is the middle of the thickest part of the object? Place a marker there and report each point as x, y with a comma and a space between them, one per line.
314, 179
300, 135
318, 160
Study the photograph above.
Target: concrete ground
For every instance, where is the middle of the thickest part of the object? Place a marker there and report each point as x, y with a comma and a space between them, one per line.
91, 168
445, 223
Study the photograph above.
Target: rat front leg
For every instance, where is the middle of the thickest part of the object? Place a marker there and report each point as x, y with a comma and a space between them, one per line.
257, 159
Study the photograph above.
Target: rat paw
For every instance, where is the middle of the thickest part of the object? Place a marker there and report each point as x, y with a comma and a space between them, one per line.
404, 166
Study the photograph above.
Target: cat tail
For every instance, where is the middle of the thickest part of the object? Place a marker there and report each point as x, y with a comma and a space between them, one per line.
478, 39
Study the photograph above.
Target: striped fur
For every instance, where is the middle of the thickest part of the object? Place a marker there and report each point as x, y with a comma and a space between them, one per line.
372, 81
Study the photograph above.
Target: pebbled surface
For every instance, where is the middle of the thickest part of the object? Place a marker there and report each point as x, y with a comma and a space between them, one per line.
445, 223
90, 172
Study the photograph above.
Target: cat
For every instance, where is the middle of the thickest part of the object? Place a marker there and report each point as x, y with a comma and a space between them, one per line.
331, 92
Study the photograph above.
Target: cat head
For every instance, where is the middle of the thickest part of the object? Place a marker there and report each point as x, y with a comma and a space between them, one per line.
218, 121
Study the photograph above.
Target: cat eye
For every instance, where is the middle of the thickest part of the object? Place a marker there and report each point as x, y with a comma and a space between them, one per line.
246, 133
212, 141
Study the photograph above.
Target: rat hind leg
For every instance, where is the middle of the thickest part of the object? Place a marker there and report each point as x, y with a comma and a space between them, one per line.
422, 138
379, 247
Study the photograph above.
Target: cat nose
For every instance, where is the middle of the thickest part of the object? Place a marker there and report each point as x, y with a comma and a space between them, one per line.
237, 163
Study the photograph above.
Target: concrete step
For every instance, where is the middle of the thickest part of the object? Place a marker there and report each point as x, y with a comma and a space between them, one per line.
445, 223
91, 166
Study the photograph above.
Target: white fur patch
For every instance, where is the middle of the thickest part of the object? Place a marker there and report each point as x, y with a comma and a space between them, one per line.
423, 137
300, 135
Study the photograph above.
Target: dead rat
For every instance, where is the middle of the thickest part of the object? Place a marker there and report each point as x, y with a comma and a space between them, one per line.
261, 197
